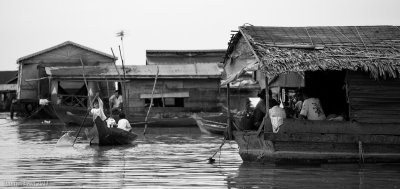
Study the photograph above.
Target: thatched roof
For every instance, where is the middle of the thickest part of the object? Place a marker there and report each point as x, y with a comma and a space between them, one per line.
375, 49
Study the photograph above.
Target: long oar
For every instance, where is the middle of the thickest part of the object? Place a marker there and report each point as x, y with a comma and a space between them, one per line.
83, 121
211, 160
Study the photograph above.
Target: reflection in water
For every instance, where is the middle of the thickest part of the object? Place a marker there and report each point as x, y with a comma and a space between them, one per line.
164, 158
251, 175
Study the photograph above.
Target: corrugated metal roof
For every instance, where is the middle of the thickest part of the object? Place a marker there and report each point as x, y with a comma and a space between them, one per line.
184, 56
139, 71
7, 76
62, 45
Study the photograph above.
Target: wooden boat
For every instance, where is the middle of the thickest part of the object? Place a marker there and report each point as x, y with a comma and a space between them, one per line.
211, 123
101, 135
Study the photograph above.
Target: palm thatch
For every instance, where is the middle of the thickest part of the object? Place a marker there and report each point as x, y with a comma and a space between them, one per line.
374, 49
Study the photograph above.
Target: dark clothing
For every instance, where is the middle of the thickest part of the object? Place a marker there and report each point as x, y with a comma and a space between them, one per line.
260, 110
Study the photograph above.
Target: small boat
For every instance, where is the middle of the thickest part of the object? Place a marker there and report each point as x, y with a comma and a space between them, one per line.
101, 135
211, 123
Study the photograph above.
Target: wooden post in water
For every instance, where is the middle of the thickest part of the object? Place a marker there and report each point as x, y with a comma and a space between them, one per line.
228, 98
266, 118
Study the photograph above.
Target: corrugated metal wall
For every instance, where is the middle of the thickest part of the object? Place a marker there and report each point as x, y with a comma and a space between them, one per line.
373, 101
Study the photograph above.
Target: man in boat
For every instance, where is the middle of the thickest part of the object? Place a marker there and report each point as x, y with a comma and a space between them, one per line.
116, 102
311, 109
260, 109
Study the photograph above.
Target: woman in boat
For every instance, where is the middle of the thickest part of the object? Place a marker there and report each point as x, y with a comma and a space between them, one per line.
97, 109
260, 110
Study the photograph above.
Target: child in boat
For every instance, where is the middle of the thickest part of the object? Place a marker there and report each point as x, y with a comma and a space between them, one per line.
123, 123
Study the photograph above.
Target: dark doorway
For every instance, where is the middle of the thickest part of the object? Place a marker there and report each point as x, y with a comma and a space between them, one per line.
329, 87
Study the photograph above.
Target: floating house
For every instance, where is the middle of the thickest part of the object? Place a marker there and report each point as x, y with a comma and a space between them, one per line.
34, 83
353, 70
179, 90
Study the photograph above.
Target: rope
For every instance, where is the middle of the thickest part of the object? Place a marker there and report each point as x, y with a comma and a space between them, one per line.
309, 36
358, 33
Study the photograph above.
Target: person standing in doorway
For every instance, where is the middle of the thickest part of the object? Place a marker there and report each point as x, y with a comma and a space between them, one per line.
311, 108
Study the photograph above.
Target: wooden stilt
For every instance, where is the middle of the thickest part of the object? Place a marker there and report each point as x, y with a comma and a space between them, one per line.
228, 98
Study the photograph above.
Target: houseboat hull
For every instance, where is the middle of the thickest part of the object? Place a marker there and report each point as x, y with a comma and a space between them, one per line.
317, 143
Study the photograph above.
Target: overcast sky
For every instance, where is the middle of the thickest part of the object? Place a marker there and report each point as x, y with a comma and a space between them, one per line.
28, 26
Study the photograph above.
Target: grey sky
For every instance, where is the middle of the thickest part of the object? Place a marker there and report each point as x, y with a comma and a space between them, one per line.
28, 26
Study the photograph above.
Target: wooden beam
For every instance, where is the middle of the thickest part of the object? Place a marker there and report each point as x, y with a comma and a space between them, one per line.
333, 138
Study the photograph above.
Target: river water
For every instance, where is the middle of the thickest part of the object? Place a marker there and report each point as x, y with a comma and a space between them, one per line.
166, 158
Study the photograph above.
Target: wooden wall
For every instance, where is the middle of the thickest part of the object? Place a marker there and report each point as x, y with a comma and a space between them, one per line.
203, 95
373, 101
28, 89
68, 55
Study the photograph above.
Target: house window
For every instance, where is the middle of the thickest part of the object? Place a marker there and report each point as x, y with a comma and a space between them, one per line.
165, 102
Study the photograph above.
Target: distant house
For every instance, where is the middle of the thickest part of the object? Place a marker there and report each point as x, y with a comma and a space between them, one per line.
243, 89
33, 81
180, 90
8, 88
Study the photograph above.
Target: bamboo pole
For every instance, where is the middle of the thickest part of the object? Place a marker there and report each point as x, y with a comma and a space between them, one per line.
108, 96
151, 101
86, 84
266, 103
229, 128
123, 70
119, 75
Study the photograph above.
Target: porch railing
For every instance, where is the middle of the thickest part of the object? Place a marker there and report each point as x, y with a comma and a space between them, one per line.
73, 100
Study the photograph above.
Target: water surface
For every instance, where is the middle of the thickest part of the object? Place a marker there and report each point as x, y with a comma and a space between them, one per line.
165, 158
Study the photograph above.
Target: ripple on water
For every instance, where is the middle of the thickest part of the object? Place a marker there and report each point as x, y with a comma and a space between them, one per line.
165, 158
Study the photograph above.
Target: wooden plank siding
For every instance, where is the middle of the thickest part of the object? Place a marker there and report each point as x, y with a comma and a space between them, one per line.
373, 101
203, 95
65, 55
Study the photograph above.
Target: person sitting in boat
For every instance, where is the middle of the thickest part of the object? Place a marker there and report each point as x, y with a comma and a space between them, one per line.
116, 102
97, 109
311, 108
260, 109
123, 123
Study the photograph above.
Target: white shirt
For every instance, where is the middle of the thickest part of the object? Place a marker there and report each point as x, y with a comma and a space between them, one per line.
124, 124
98, 111
115, 101
312, 109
